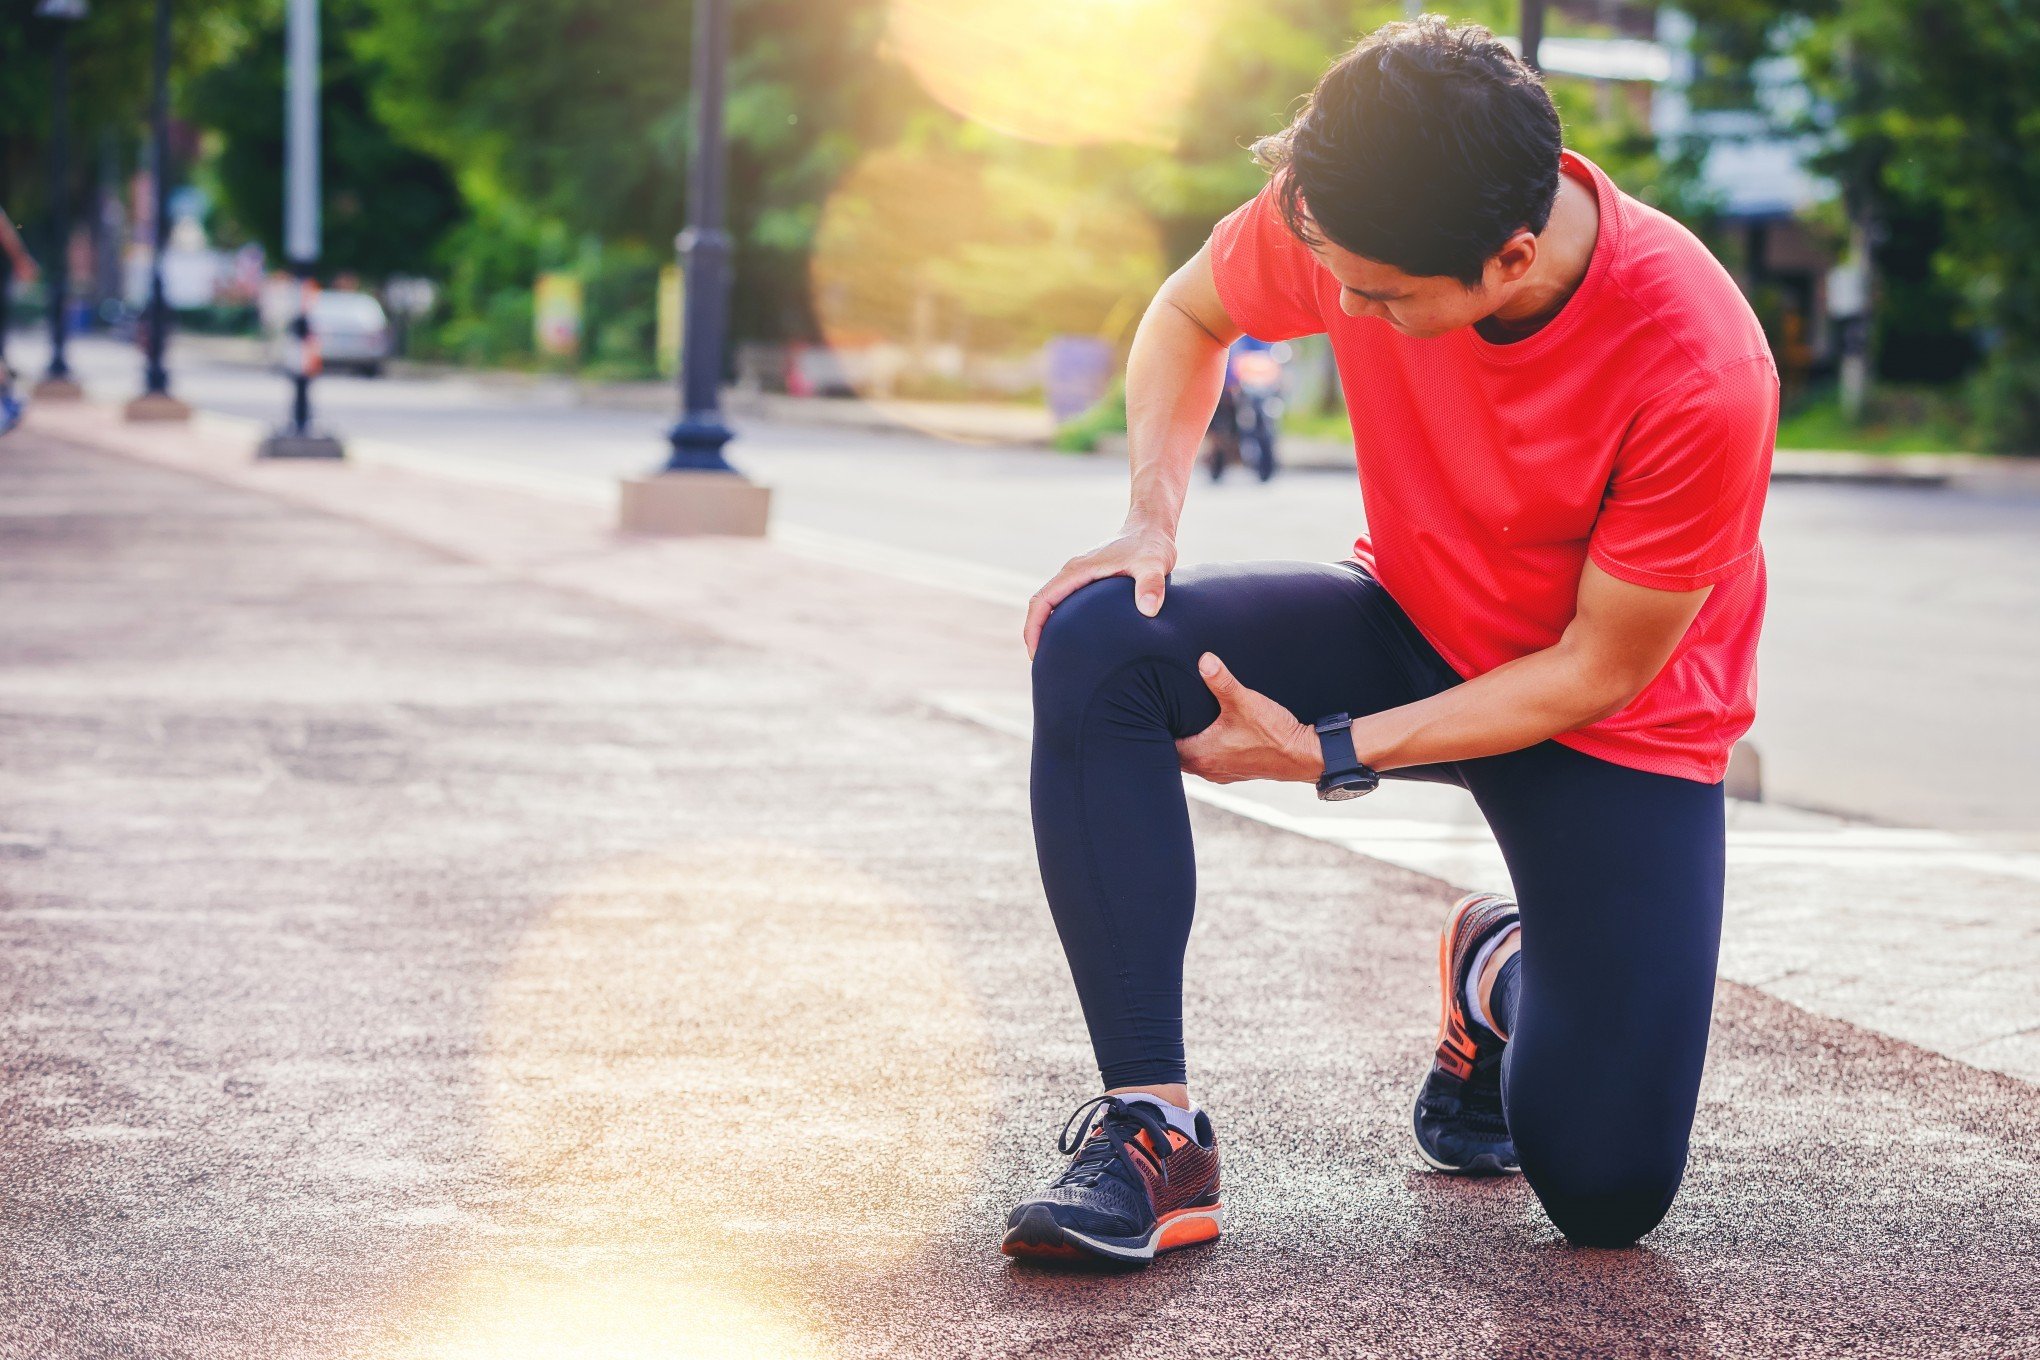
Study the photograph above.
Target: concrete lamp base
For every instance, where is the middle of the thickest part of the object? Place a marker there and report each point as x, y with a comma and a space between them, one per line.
283, 444
57, 389
1745, 778
156, 406
690, 503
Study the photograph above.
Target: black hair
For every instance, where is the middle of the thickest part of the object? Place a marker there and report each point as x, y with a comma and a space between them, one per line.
1424, 148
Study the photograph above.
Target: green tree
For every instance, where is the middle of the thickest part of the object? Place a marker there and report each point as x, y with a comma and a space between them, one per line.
387, 207
1957, 115
1935, 116
576, 112
110, 65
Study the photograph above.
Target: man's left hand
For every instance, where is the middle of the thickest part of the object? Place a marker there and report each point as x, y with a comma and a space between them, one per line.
1253, 738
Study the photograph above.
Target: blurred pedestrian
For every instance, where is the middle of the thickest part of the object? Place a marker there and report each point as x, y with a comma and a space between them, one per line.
20, 268
1563, 415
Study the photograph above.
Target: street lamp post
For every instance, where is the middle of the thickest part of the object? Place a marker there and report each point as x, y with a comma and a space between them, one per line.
297, 438
155, 402
697, 491
704, 247
57, 383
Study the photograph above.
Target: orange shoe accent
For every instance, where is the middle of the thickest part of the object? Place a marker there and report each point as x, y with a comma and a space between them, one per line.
1456, 1046
1188, 1227
1456, 1056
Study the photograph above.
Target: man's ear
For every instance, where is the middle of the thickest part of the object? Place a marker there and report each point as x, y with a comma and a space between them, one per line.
1513, 260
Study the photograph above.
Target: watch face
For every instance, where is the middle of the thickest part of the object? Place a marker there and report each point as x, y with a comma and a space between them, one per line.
1349, 784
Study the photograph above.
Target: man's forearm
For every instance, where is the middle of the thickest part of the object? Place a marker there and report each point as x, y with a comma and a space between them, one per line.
1173, 376
1517, 704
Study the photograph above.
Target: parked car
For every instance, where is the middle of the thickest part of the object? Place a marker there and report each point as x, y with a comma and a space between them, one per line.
352, 330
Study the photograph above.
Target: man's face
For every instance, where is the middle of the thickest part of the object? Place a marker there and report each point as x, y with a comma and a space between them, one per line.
1424, 305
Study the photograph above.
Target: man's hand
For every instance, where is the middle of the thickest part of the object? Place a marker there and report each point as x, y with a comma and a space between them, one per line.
1147, 555
1253, 738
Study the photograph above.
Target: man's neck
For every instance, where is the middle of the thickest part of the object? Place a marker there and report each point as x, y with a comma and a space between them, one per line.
1565, 248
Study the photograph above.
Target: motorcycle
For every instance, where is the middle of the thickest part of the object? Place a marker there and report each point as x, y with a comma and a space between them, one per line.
1243, 427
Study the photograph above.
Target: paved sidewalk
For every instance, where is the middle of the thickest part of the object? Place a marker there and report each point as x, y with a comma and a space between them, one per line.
435, 926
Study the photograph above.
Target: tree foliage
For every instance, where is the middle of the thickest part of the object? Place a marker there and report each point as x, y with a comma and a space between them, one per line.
387, 207
1934, 121
1949, 107
110, 52
576, 112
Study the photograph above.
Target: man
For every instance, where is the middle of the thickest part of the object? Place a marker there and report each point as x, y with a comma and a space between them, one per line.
19, 267
1563, 413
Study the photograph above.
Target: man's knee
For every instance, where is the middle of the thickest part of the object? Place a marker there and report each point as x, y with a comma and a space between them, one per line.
1097, 627
1604, 1197
1093, 635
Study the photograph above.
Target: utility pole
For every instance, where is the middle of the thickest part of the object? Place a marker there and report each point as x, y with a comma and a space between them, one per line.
57, 383
1852, 284
698, 492
155, 402
297, 438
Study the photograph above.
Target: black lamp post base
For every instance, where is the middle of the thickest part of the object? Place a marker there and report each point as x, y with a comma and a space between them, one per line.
697, 443
287, 444
156, 406
57, 389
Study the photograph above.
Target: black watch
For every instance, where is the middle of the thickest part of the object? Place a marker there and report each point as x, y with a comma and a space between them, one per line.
1346, 775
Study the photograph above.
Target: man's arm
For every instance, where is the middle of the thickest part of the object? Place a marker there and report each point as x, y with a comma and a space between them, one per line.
1173, 375
1619, 639
12, 247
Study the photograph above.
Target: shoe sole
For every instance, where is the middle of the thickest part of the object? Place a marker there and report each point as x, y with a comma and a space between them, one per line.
1039, 1238
1486, 1164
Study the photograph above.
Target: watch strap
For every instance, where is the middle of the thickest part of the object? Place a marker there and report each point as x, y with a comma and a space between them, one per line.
1335, 740
1345, 774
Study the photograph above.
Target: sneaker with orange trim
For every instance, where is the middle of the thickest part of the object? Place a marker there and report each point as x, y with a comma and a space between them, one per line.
1460, 1125
1134, 1188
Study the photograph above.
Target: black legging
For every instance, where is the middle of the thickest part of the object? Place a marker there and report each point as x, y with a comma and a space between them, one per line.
1618, 871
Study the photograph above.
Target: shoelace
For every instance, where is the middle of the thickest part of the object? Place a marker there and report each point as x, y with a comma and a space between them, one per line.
1097, 1150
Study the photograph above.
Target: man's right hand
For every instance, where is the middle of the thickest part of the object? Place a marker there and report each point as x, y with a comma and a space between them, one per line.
1147, 555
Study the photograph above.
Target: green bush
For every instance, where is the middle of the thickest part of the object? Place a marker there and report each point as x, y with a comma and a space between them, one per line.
1108, 416
219, 319
620, 310
500, 335
1900, 419
2006, 398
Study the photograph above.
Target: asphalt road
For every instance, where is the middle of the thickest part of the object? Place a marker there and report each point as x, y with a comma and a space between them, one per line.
402, 957
1900, 661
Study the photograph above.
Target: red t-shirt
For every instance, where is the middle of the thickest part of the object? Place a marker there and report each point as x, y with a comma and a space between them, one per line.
1634, 428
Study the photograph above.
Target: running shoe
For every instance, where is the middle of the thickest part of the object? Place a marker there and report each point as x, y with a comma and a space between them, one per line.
1134, 1188
1459, 1121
